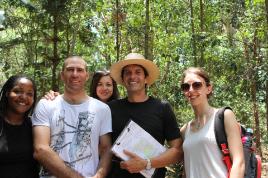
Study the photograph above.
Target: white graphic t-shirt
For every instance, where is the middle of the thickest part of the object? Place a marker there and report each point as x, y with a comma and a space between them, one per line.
74, 131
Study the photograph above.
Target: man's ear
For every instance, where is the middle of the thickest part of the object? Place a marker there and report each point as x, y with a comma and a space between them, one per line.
87, 76
146, 81
61, 75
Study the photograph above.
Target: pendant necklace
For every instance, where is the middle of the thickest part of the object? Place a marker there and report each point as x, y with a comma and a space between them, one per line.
197, 125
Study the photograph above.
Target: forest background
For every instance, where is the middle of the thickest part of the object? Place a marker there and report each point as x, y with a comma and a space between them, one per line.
229, 39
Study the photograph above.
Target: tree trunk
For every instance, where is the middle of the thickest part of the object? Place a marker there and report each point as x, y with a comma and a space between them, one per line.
266, 10
266, 101
251, 76
193, 34
55, 58
147, 26
256, 114
117, 31
201, 62
254, 94
201, 15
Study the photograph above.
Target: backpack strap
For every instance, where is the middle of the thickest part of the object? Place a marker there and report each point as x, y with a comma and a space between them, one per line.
219, 129
221, 137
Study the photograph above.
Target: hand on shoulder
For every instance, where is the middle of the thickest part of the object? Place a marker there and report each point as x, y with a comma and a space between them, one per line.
51, 95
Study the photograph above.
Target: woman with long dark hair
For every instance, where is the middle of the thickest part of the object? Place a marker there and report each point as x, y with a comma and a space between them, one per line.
103, 87
17, 100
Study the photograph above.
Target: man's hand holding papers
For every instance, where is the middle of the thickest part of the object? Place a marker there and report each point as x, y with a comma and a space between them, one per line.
135, 164
134, 146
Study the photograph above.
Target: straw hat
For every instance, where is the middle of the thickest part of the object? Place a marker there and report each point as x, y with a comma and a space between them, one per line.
138, 59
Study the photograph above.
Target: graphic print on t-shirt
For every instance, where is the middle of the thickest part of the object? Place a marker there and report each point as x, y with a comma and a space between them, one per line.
72, 139
81, 139
58, 138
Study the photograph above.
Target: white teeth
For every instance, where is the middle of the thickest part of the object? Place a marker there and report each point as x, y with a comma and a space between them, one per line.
23, 104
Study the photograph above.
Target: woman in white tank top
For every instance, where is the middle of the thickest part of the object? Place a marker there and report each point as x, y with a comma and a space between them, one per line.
202, 157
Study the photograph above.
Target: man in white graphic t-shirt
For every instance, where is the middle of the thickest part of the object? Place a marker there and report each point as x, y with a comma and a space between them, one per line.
70, 130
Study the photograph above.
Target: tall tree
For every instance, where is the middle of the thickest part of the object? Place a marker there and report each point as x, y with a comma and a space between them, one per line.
193, 33
266, 34
147, 30
202, 29
117, 30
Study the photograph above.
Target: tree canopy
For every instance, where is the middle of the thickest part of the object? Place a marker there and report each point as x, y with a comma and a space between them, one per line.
229, 39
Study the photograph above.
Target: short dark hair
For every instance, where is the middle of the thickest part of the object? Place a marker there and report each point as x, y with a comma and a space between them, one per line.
7, 87
94, 83
72, 56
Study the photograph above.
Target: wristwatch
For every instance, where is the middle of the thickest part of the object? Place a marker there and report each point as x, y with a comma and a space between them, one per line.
148, 165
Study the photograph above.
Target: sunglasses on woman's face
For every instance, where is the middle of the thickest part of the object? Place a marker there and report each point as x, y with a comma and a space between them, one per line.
185, 87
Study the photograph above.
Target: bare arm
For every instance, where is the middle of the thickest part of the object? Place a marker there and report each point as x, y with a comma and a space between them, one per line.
235, 145
49, 158
172, 155
105, 156
182, 131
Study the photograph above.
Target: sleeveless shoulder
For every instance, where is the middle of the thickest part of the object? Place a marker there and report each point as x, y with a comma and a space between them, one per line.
187, 129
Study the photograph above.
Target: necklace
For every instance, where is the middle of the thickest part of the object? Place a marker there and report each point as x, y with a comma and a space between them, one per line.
16, 122
198, 125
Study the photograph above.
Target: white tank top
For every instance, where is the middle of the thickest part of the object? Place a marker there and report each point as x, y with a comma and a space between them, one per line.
202, 157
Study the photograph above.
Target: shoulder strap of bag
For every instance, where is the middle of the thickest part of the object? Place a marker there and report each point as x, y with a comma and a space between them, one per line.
221, 138
220, 133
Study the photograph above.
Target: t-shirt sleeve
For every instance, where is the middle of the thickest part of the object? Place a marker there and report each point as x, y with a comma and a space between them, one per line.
41, 114
171, 128
106, 124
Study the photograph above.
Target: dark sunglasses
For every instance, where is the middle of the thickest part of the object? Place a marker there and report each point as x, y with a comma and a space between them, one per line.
195, 85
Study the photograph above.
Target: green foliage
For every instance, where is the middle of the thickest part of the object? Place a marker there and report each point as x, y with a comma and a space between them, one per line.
234, 45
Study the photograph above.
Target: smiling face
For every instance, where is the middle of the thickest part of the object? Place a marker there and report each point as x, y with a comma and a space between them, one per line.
74, 74
21, 97
134, 78
104, 88
195, 89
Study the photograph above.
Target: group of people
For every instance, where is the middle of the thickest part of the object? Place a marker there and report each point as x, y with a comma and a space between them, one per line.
73, 132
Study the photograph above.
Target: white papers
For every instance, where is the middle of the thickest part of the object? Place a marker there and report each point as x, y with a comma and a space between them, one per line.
135, 139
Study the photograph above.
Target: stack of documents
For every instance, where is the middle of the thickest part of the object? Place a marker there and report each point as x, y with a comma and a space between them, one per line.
135, 139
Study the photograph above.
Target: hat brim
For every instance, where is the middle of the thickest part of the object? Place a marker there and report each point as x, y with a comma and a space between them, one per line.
151, 68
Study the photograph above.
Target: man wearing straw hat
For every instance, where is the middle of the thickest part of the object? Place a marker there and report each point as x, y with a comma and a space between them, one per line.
135, 73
